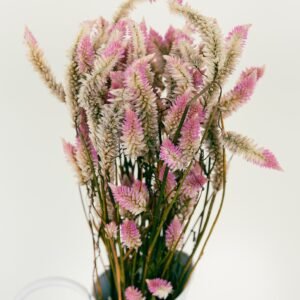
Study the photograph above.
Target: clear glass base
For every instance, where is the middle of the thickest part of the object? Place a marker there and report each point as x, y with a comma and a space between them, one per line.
54, 288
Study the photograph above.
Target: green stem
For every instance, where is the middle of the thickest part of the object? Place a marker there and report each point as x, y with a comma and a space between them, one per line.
215, 220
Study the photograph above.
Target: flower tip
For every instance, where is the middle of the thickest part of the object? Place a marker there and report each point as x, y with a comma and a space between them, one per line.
29, 37
271, 161
261, 71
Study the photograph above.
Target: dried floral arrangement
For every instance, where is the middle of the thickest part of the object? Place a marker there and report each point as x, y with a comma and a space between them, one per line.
150, 148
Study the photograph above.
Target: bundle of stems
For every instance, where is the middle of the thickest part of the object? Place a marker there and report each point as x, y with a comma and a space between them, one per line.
150, 153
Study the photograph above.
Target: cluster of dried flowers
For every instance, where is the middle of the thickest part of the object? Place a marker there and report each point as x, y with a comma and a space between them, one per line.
150, 141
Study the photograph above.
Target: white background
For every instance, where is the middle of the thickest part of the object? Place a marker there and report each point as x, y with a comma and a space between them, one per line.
254, 253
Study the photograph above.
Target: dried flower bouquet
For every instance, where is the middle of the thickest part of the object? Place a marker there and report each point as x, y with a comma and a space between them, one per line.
149, 115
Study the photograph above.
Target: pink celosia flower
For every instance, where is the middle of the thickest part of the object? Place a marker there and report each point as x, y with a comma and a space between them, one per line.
175, 113
137, 74
243, 90
134, 199
189, 141
70, 152
111, 229
193, 182
115, 48
174, 36
173, 233
117, 78
240, 31
140, 192
130, 235
133, 135
133, 293
159, 288
171, 179
197, 78
171, 155
85, 54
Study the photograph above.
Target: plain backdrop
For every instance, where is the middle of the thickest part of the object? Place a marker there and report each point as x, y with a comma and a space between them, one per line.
254, 252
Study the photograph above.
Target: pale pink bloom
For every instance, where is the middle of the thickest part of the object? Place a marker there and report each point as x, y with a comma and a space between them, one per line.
193, 182
173, 234
171, 179
137, 75
133, 135
243, 90
175, 113
134, 199
196, 110
130, 235
240, 31
29, 38
189, 141
120, 27
84, 132
197, 78
171, 155
270, 161
159, 288
115, 48
133, 293
85, 54
154, 40
111, 229
70, 152
140, 193
117, 78
174, 36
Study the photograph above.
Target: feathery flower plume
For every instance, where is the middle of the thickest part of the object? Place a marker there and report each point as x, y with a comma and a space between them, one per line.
138, 43
242, 92
117, 79
138, 83
83, 159
189, 141
159, 288
93, 86
125, 9
133, 199
85, 54
175, 113
155, 44
173, 36
178, 74
107, 136
215, 146
133, 293
171, 155
36, 57
243, 146
194, 181
133, 135
99, 33
130, 235
111, 229
73, 83
210, 34
234, 45
173, 234
70, 152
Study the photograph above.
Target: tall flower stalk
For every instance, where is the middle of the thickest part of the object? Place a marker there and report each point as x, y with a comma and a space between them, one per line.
150, 145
